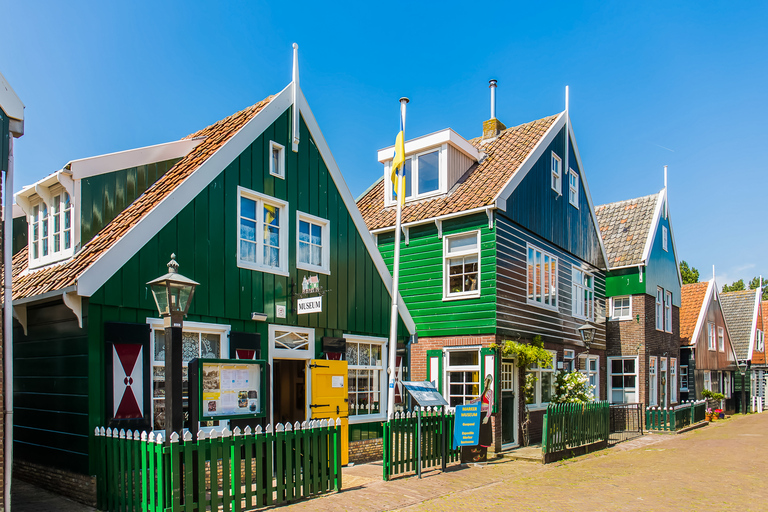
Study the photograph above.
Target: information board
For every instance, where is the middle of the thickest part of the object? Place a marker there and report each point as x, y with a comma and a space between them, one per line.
425, 394
466, 429
231, 388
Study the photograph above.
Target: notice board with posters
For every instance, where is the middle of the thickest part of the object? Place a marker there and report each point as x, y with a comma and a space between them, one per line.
231, 388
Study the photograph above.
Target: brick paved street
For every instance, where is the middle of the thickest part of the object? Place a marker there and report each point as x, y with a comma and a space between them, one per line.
722, 466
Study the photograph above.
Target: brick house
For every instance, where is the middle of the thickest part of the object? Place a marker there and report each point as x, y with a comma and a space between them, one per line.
744, 316
643, 293
707, 356
501, 243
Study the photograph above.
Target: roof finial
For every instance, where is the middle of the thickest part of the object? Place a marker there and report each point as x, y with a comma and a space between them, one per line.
566, 98
173, 265
713, 272
295, 141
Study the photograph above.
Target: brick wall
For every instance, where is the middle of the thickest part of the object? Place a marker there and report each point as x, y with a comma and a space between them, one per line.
639, 337
367, 450
78, 487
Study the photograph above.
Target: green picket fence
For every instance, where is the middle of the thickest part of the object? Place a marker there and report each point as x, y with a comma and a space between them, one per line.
230, 471
401, 441
673, 419
568, 426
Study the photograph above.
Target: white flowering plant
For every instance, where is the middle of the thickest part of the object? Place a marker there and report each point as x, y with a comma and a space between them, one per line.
572, 388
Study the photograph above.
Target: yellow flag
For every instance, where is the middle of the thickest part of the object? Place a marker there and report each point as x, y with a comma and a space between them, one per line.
398, 180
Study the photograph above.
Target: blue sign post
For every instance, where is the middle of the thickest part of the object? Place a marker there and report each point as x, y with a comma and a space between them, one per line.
466, 430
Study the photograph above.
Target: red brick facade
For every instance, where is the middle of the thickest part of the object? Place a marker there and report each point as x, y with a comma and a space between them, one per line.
80, 488
639, 337
366, 450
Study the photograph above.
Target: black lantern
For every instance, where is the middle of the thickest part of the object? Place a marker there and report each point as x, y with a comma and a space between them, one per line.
173, 294
587, 333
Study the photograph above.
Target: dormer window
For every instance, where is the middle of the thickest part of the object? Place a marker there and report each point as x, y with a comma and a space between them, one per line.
62, 222
422, 175
50, 229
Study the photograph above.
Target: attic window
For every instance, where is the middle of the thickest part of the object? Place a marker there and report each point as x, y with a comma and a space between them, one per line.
573, 188
50, 230
557, 173
422, 175
664, 237
276, 160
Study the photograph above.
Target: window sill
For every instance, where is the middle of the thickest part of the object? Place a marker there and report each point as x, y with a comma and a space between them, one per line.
312, 268
473, 295
540, 407
366, 418
620, 319
277, 175
259, 268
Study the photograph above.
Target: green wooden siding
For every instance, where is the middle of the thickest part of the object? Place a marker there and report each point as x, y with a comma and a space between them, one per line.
539, 209
421, 279
104, 196
625, 281
51, 389
204, 238
5, 140
662, 269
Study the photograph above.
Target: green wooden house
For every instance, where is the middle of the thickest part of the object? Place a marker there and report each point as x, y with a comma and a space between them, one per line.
500, 243
257, 211
643, 289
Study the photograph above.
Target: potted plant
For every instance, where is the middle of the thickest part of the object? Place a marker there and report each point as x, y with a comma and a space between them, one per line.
708, 414
719, 413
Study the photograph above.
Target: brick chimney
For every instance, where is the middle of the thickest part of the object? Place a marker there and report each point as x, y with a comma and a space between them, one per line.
492, 127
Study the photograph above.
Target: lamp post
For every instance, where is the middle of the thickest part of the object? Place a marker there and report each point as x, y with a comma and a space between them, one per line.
173, 294
587, 332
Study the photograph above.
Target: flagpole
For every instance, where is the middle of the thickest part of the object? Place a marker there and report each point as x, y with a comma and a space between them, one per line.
395, 281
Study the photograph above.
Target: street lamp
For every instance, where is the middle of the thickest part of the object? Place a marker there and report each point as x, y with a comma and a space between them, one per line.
173, 294
587, 333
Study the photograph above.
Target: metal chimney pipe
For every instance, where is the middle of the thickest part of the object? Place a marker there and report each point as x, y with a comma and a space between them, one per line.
492, 85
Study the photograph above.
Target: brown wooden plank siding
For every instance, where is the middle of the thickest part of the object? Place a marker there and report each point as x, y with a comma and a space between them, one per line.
515, 316
538, 208
458, 164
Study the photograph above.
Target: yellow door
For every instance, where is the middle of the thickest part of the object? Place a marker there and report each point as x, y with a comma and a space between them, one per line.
330, 398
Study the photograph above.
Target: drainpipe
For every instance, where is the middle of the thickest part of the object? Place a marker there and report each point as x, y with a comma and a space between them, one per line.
8, 327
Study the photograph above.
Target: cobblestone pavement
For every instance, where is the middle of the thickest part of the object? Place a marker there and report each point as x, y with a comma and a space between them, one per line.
720, 467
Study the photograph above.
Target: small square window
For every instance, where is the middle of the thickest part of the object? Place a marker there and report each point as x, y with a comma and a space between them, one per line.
573, 188
621, 308
313, 243
461, 267
276, 160
557, 173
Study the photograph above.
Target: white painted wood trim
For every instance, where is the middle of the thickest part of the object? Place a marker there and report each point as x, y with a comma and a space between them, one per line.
74, 302
752, 333
349, 202
121, 251
430, 220
703, 312
432, 140
20, 314
654, 226
9, 100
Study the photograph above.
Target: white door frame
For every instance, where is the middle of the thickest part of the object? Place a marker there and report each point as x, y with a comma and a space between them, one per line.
284, 354
515, 415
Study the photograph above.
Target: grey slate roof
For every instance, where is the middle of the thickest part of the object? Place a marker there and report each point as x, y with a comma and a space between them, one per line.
624, 227
739, 308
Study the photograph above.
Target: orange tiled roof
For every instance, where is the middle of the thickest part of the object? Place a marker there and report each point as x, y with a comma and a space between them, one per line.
691, 302
624, 228
764, 306
475, 189
65, 274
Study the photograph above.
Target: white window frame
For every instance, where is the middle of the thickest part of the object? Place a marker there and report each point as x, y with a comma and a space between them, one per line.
663, 386
46, 244
305, 351
659, 308
683, 378
448, 369
711, 341
382, 415
720, 338
668, 311
727, 384
157, 324
442, 173
325, 224
636, 375
537, 399
579, 290
447, 295
552, 298
262, 199
653, 381
628, 315
596, 373
573, 188
672, 380
280, 171
557, 173
760, 341
707, 380
664, 238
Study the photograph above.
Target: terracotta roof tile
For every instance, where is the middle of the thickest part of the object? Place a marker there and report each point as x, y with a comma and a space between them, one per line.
738, 308
691, 302
477, 188
65, 274
624, 227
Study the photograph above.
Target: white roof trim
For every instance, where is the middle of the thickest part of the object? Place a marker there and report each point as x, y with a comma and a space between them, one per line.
430, 220
432, 140
752, 333
9, 100
660, 200
118, 255
354, 212
92, 166
703, 311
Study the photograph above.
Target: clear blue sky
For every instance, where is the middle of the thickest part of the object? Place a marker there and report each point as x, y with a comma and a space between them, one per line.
652, 83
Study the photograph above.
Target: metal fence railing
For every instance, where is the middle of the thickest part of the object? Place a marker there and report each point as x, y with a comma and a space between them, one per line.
419, 439
626, 422
232, 470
